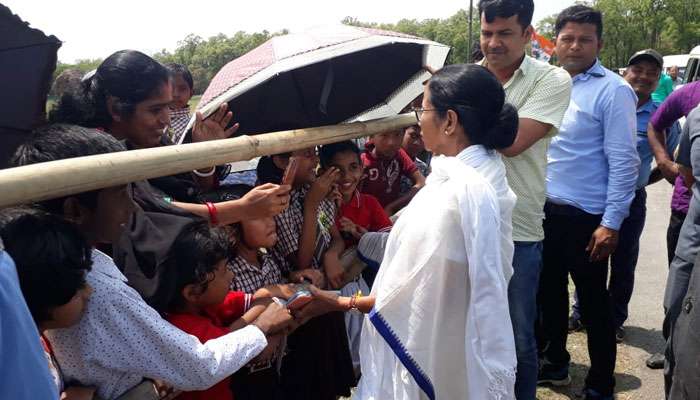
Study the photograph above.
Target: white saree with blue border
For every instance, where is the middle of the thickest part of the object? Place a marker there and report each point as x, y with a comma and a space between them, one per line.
440, 327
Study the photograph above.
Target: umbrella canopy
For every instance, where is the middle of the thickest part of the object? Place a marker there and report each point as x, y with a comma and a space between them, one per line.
326, 75
27, 61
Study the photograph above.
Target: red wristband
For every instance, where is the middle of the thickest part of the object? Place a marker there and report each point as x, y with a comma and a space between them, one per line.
213, 215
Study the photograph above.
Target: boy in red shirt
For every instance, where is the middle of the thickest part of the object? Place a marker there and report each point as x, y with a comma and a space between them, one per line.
385, 163
202, 304
359, 212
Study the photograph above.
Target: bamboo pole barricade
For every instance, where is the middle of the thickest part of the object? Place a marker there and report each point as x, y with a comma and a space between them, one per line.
43, 181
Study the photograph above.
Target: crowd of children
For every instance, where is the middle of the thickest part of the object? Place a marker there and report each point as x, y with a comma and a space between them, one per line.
181, 281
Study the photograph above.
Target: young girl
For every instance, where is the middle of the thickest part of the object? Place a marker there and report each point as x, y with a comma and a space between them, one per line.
183, 89
52, 258
203, 304
318, 363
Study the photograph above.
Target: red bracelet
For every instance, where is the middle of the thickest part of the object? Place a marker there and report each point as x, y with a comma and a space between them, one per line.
213, 215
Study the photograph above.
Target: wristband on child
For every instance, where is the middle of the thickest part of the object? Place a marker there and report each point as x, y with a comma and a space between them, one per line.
213, 214
205, 174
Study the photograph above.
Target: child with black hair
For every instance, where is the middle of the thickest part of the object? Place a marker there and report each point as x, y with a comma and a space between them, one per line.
318, 365
203, 304
385, 163
183, 89
52, 259
121, 340
359, 212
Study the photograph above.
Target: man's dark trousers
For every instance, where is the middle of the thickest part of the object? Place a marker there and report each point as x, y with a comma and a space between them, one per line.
567, 232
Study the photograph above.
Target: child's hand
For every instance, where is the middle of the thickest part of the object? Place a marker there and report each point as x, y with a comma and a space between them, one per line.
163, 388
214, 127
268, 354
334, 271
346, 225
78, 393
266, 200
314, 275
335, 196
322, 187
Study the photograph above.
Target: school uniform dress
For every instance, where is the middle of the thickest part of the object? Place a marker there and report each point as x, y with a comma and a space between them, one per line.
318, 363
383, 177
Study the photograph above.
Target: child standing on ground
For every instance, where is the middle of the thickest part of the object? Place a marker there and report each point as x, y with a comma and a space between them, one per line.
318, 365
52, 259
385, 162
183, 90
203, 304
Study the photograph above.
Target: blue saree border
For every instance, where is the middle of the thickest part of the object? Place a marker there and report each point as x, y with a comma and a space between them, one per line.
399, 349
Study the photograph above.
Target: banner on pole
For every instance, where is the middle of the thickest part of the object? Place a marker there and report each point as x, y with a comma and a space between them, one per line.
542, 48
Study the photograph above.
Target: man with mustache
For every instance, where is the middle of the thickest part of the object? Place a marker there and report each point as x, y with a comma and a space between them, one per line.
540, 92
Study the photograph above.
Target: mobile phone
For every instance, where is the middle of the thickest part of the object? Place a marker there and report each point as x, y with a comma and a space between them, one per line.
299, 299
290, 171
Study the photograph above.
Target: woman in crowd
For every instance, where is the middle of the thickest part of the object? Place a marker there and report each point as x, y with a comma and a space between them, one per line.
438, 324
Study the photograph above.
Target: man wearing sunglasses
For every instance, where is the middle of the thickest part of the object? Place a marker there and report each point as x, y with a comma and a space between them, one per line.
540, 92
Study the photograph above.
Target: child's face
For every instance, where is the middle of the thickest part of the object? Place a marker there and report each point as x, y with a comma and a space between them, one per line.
259, 233
412, 141
70, 313
182, 93
307, 160
387, 144
350, 167
218, 287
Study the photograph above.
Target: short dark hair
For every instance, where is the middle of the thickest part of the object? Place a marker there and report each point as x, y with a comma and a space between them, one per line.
60, 141
193, 258
506, 9
52, 258
328, 151
478, 98
179, 69
579, 14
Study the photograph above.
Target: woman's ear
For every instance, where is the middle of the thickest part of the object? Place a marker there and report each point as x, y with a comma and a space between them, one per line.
113, 109
451, 121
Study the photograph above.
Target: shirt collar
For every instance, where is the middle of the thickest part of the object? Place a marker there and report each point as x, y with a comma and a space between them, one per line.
596, 70
524, 68
648, 107
473, 155
104, 264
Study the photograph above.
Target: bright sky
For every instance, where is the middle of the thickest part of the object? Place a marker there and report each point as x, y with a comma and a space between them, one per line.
97, 28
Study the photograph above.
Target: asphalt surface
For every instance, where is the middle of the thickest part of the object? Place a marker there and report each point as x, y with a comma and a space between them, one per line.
634, 380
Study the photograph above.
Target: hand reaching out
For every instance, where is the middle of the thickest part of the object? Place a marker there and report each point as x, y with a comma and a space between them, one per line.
214, 127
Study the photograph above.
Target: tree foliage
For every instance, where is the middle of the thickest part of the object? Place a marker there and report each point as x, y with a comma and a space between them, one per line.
669, 26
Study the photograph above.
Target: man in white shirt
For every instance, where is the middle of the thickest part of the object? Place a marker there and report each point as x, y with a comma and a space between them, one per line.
121, 340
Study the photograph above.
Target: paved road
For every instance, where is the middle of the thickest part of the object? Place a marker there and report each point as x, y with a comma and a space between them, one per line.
634, 380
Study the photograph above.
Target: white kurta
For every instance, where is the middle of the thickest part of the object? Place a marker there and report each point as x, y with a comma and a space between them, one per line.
440, 328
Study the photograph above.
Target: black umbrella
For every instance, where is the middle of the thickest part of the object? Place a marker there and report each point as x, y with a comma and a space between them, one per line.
27, 62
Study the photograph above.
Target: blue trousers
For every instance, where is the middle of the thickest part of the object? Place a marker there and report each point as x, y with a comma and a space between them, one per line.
522, 300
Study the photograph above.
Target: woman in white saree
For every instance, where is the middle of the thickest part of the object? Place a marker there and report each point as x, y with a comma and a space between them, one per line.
438, 324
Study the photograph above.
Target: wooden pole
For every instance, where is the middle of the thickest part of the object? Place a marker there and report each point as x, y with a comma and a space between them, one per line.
54, 179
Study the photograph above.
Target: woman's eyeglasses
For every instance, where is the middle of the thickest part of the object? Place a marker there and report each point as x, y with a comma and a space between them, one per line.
420, 110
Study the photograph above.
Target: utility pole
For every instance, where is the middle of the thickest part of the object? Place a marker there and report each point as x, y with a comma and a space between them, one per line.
469, 38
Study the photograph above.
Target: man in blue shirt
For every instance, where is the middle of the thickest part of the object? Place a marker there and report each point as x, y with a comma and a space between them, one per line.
642, 73
591, 175
24, 370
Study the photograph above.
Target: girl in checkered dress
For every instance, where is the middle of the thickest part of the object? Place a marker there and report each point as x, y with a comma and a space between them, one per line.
318, 363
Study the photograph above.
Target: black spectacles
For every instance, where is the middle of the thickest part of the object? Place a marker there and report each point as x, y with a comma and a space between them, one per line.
420, 110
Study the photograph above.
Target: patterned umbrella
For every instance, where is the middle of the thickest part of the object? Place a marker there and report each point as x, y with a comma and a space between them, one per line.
324, 76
